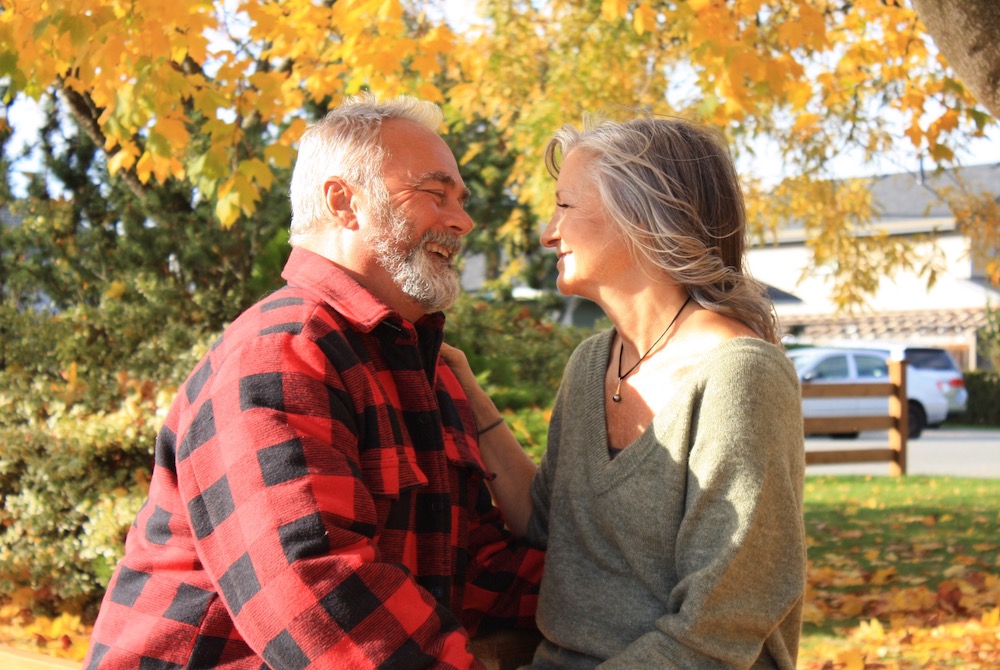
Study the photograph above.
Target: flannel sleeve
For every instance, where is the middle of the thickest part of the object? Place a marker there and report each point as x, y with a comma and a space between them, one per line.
504, 573
285, 525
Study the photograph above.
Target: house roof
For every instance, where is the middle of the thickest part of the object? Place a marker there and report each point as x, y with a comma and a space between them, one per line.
912, 326
907, 203
911, 195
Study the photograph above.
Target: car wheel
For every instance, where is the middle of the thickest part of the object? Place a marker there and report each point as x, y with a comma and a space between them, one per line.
845, 436
918, 420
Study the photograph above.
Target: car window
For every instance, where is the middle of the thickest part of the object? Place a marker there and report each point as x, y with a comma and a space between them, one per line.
930, 359
871, 367
834, 367
802, 360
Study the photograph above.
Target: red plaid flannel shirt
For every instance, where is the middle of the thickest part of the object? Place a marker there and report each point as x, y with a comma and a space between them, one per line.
318, 501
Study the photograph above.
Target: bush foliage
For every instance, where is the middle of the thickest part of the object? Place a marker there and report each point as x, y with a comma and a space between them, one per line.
983, 408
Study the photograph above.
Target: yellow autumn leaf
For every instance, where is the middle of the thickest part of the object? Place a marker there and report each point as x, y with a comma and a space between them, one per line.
612, 10
123, 159
168, 136
474, 149
852, 659
227, 209
805, 122
279, 154
873, 628
954, 571
115, 290
882, 576
991, 618
144, 168
643, 19
256, 170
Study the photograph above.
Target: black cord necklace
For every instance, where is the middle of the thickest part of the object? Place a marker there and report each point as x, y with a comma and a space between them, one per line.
617, 397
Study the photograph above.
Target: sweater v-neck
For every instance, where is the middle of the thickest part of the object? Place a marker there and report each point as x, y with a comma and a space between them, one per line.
606, 472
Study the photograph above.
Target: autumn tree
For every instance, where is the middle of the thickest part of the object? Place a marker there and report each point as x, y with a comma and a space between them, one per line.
803, 81
172, 90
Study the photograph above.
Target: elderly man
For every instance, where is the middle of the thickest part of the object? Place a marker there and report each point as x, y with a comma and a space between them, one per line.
319, 499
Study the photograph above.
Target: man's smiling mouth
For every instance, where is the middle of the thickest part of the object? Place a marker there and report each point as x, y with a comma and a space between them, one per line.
440, 250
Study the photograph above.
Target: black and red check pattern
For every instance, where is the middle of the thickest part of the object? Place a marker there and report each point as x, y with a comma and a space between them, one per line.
317, 502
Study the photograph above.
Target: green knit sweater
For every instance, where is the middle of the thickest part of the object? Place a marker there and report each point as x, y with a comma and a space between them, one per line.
688, 549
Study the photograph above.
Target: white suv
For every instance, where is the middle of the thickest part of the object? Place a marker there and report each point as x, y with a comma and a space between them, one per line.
926, 363
927, 406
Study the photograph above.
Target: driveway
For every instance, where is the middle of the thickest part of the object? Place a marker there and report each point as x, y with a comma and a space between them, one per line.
959, 452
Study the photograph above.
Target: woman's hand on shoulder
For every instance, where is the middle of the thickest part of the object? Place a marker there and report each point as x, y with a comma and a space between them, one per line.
459, 364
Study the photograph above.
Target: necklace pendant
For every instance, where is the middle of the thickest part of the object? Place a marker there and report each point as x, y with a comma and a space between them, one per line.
616, 397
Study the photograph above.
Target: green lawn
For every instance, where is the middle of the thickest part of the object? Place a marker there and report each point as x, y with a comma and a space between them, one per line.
903, 555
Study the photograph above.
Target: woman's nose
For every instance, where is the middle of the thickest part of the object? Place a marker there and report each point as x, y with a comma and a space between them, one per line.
548, 237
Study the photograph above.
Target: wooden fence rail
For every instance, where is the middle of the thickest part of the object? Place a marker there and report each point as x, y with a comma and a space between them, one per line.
897, 421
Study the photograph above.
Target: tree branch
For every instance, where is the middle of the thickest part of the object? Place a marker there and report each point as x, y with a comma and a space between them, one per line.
86, 114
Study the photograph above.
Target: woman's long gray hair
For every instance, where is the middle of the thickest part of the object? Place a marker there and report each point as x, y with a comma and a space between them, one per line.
671, 187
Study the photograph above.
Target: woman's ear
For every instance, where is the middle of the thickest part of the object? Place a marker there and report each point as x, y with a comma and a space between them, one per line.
340, 201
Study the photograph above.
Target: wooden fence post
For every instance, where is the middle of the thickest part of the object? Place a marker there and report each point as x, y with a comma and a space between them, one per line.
899, 410
896, 421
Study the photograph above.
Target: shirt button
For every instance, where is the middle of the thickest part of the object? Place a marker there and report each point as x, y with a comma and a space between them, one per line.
424, 418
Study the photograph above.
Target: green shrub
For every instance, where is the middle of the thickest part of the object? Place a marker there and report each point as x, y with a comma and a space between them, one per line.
82, 394
984, 398
516, 352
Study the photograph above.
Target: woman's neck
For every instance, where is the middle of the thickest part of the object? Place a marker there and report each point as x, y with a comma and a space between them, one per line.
641, 316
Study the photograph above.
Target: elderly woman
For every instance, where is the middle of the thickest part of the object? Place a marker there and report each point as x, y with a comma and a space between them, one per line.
670, 497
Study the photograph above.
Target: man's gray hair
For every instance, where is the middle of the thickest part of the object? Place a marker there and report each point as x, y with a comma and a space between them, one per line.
346, 143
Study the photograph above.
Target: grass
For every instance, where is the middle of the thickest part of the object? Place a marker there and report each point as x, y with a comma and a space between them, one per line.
892, 558
904, 573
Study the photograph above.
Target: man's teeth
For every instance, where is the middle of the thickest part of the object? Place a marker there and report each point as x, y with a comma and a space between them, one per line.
438, 249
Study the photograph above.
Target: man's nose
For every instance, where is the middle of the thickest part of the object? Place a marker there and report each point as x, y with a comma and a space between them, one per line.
459, 221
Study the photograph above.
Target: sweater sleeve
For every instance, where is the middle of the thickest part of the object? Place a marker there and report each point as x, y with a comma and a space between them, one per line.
574, 377
285, 523
740, 557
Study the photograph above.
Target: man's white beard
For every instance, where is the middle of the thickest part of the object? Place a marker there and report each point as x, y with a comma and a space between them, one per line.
422, 275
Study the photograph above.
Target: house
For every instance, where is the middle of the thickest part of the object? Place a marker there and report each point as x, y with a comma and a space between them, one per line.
947, 314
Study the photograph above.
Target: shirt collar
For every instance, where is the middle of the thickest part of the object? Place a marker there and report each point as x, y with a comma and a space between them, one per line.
307, 269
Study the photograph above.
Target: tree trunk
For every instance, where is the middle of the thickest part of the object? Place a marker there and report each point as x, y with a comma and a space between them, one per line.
968, 34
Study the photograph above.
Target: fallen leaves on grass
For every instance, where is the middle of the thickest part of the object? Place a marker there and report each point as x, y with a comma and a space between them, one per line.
905, 577
63, 636
971, 644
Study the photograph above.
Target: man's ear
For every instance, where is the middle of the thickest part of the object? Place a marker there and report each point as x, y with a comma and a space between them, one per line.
340, 201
